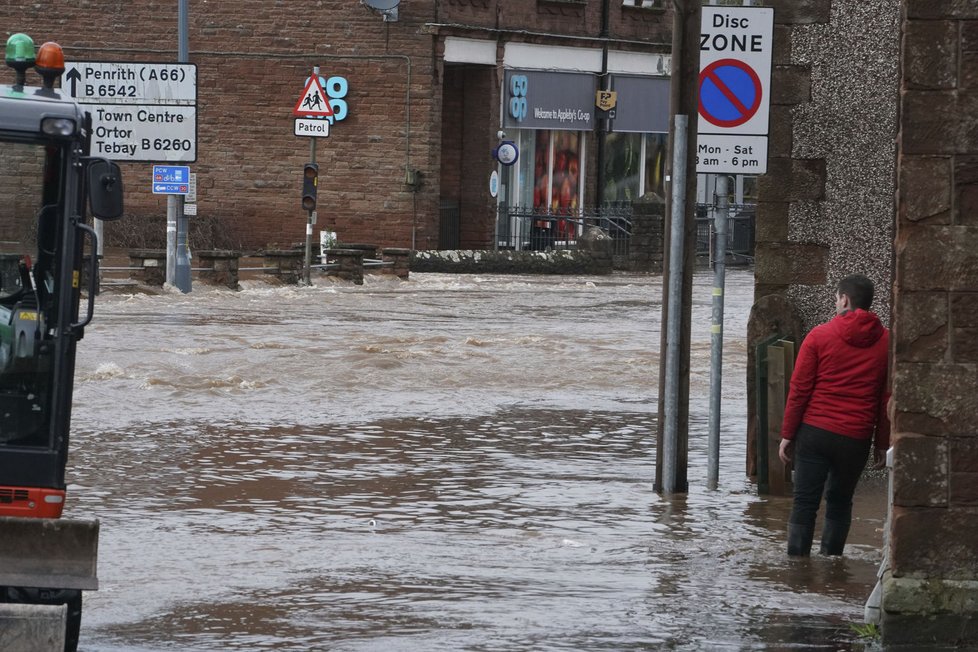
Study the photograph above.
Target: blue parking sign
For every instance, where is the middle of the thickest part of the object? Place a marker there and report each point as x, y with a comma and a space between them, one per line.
171, 179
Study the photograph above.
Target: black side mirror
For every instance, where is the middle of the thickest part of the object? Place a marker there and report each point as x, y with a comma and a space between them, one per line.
105, 189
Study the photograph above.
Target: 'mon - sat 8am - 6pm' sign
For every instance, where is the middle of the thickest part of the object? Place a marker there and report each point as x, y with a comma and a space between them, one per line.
141, 111
734, 89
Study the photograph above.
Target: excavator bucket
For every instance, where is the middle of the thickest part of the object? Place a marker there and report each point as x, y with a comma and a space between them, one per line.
49, 553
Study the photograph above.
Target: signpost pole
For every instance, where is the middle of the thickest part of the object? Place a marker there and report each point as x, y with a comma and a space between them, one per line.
674, 323
734, 101
307, 267
181, 276
720, 216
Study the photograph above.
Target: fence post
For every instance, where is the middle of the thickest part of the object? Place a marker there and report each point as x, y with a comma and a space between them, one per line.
285, 264
401, 259
151, 264
221, 267
350, 264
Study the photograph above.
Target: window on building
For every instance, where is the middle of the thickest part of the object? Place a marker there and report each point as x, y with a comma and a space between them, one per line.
550, 181
634, 166
645, 4
551, 171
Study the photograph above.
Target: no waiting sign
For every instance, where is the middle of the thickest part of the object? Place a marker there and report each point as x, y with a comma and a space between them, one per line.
734, 89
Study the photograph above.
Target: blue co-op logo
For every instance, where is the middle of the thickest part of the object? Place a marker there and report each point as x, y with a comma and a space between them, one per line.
518, 85
336, 89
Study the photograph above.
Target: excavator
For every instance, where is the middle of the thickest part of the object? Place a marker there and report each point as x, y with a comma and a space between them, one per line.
49, 186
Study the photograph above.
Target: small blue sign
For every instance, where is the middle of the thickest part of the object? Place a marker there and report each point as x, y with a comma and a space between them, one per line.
171, 179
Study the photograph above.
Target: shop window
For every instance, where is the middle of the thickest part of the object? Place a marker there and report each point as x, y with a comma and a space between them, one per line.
634, 166
655, 155
550, 171
550, 178
622, 167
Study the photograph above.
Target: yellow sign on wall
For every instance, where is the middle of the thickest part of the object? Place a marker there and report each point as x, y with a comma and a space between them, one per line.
606, 100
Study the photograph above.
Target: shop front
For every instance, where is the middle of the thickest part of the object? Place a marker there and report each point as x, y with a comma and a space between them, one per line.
547, 115
553, 118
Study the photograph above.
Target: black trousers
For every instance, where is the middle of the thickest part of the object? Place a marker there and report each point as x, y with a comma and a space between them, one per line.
826, 461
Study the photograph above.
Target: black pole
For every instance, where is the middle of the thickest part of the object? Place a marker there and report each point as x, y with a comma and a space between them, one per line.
603, 123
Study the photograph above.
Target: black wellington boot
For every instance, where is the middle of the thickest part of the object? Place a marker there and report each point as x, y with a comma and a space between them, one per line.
834, 536
800, 539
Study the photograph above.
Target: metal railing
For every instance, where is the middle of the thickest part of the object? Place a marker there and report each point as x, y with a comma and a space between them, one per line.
740, 232
524, 228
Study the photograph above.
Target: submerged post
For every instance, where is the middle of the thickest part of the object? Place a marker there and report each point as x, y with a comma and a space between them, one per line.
674, 321
720, 220
177, 226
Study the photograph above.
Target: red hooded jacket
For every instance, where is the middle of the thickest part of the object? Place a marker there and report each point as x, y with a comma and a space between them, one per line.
839, 382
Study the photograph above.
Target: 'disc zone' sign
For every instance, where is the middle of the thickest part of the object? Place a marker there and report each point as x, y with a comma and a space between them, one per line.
736, 45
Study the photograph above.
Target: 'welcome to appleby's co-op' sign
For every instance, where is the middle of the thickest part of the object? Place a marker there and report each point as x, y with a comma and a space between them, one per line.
544, 100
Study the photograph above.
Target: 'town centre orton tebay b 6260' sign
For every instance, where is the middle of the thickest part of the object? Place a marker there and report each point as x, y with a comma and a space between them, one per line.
141, 111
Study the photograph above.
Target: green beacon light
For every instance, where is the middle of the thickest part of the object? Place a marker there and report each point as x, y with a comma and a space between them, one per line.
20, 55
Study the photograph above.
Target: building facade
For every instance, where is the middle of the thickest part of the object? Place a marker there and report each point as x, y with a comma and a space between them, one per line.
420, 93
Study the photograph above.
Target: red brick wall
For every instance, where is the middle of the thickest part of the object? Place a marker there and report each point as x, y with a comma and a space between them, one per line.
562, 17
481, 122
253, 57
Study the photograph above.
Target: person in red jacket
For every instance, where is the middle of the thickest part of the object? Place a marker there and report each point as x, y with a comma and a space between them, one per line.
836, 405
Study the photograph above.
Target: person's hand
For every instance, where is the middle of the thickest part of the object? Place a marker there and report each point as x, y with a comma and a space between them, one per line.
879, 458
786, 451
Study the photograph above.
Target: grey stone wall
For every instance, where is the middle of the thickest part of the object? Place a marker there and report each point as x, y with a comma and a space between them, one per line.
826, 206
509, 262
645, 246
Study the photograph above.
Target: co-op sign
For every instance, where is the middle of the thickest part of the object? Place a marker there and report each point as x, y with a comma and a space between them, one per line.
142, 111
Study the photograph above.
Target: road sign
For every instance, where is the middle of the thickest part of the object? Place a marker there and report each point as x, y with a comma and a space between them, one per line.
313, 101
736, 44
143, 111
192, 188
730, 93
311, 127
171, 179
731, 154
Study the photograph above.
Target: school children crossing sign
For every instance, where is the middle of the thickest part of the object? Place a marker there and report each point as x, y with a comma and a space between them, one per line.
313, 101
734, 89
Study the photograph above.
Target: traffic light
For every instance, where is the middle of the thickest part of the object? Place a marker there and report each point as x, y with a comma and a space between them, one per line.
310, 180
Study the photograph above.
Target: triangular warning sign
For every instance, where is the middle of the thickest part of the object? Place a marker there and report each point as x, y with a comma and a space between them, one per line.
313, 101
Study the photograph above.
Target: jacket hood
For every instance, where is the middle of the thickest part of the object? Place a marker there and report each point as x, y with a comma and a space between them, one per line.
859, 327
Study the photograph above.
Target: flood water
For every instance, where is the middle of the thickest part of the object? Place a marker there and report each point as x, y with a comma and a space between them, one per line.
446, 463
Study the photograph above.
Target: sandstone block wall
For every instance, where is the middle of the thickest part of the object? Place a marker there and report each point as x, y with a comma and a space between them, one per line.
931, 592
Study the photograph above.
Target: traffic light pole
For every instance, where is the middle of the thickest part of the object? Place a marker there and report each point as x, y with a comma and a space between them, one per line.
307, 271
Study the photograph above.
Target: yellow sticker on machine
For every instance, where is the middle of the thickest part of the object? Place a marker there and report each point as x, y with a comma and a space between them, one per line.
27, 315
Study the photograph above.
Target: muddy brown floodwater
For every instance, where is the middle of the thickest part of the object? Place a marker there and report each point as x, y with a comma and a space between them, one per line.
447, 463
